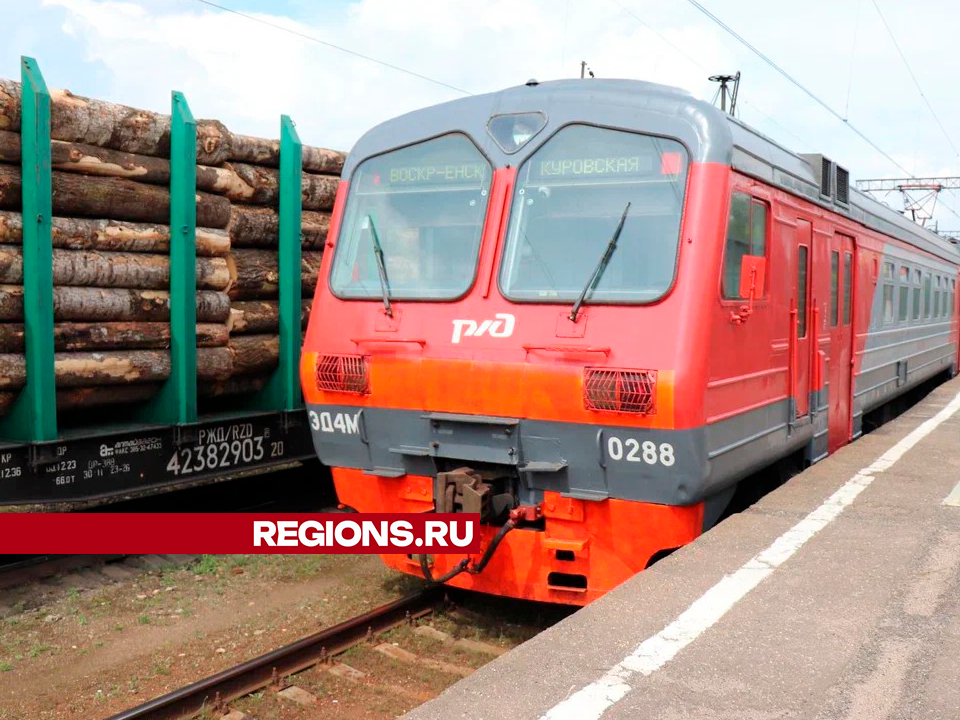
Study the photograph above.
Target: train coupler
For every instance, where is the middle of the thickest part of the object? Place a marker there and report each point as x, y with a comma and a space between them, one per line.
518, 516
466, 490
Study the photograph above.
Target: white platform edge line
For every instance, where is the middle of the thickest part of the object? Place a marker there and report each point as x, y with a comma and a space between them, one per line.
953, 499
593, 700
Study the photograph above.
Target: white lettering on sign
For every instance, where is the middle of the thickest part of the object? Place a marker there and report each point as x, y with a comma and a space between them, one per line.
335, 422
500, 327
632, 450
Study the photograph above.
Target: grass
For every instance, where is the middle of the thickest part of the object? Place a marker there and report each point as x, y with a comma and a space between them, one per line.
207, 565
38, 649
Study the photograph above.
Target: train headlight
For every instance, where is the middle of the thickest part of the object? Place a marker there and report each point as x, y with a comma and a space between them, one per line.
629, 391
343, 373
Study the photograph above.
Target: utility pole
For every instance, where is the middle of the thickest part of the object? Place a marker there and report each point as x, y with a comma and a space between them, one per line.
724, 91
584, 70
919, 195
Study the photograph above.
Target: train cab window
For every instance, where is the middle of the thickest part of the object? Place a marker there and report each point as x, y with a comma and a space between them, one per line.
903, 309
916, 294
746, 235
802, 292
927, 300
847, 286
570, 196
834, 288
887, 293
413, 222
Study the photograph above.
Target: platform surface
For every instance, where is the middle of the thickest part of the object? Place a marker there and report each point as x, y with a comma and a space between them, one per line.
835, 596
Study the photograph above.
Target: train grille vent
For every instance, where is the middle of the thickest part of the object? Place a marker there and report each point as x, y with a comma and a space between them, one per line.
629, 391
825, 167
343, 373
843, 185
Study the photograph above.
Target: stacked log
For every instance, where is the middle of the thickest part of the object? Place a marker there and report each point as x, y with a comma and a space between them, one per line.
111, 240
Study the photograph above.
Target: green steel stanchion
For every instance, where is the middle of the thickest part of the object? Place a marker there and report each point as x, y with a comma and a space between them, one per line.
34, 415
176, 402
282, 391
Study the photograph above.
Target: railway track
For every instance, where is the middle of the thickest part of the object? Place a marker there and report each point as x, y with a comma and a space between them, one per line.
215, 691
349, 668
17, 570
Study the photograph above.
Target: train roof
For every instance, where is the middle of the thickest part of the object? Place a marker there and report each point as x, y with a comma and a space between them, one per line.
709, 134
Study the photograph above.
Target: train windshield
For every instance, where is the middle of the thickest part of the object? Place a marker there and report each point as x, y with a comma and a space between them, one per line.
416, 213
569, 198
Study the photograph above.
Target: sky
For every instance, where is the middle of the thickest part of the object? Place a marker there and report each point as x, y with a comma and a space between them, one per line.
246, 73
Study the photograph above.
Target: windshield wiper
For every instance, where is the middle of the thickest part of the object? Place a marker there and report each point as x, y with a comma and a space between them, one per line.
601, 266
381, 267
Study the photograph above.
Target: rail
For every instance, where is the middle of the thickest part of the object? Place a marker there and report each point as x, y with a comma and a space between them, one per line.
217, 690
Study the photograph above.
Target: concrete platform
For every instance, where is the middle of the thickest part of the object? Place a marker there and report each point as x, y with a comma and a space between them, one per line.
836, 596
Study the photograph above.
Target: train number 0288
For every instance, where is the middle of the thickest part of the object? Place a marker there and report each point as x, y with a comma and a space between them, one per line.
632, 450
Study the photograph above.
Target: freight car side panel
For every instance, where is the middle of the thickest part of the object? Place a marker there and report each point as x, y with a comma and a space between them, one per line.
125, 460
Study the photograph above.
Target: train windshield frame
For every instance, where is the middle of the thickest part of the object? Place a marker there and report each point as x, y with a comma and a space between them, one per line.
569, 197
424, 207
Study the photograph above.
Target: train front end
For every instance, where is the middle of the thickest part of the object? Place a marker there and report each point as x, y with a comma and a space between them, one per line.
501, 327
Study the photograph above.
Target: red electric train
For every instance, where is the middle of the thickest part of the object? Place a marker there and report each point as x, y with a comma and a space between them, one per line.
587, 309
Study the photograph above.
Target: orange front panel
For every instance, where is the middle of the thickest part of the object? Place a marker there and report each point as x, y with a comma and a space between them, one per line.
610, 540
543, 392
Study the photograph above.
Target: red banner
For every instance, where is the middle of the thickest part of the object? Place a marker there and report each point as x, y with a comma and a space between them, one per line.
189, 533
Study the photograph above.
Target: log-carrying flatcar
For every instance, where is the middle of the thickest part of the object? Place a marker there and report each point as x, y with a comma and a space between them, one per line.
587, 309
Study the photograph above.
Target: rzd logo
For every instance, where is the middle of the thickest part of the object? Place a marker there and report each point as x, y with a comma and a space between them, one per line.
501, 327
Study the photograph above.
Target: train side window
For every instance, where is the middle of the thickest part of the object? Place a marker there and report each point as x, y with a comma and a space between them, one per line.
916, 294
927, 305
903, 310
834, 288
936, 298
887, 293
847, 286
802, 292
746, 235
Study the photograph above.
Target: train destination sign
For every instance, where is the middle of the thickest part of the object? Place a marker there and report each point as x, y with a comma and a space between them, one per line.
618, 165
432, 174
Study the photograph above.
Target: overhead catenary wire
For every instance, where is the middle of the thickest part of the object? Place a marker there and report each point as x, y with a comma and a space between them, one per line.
803, 88
698, 64
809, 92
334, 46
914, 78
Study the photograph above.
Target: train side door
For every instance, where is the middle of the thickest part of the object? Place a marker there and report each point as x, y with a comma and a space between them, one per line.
800, 314
840, 324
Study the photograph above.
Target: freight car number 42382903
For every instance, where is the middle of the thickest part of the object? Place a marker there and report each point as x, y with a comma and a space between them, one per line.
225, 447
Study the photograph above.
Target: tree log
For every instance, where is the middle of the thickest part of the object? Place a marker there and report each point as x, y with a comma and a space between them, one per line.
112, 336
317, 192
115, 367
262, 316
96, 268
78, 304
112, 197
260, 227
104, 162
256, 273
254, 353
259, 151
242, 385
89, 397
85, 234
97, 122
